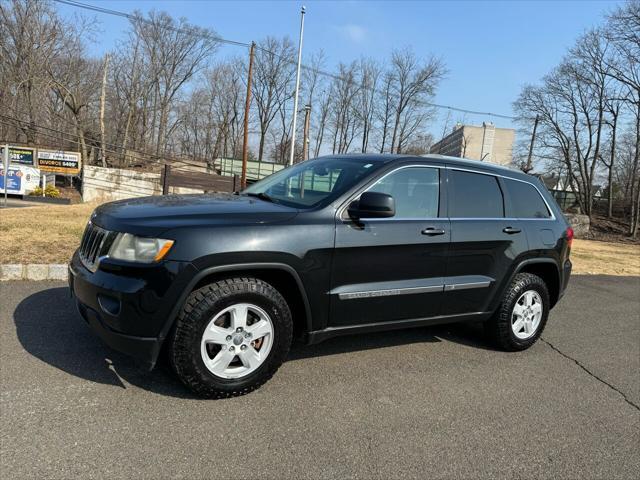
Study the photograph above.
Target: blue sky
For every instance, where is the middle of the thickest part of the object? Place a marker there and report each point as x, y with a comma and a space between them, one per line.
491, 48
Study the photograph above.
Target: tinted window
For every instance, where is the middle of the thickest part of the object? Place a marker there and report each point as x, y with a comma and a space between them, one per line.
414, 189
526, 202
473, 195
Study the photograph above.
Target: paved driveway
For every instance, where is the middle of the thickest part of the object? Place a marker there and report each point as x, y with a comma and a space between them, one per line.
430, 402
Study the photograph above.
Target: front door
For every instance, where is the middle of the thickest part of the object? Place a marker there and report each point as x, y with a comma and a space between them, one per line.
392, 269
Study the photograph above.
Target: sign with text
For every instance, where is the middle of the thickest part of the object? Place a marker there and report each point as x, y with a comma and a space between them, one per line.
57, 161
19, 155
20, 180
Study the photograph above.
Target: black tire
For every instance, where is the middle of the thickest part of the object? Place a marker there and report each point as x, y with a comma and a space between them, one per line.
204, 304
498, 328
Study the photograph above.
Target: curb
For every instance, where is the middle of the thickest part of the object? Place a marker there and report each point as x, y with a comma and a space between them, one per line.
33, 271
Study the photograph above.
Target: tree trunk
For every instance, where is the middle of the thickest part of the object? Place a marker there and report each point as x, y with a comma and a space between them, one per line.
395, 132
611, 164
103, 97
263, 133
635, 189
636, 222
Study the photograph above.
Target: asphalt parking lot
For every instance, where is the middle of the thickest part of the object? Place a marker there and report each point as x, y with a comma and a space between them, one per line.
436, 403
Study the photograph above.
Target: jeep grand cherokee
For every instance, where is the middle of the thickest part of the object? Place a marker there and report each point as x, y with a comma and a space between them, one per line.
331, 246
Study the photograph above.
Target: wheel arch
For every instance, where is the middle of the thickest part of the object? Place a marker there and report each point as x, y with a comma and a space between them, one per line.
545, 268
283, 277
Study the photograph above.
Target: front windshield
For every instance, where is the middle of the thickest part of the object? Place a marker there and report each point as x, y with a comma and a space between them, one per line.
313, 182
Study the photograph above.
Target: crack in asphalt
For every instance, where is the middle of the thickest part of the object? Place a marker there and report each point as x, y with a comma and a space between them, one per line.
590, 373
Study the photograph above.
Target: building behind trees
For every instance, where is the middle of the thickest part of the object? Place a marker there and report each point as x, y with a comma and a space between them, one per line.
485, 143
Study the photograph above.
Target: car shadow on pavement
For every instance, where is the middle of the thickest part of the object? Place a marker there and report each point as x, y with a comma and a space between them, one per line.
49, 328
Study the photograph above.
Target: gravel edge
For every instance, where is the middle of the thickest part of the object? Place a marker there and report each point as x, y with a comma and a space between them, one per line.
33, 271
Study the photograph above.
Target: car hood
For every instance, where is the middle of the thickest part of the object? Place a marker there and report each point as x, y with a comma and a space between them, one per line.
153, 215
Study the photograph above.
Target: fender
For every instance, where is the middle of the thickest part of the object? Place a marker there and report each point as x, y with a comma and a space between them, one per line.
495, 302
231, 268
529, 261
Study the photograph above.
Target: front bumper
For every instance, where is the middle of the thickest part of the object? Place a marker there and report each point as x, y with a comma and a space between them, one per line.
130, 308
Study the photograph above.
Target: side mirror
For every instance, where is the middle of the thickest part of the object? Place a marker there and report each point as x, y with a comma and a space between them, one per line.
373, 205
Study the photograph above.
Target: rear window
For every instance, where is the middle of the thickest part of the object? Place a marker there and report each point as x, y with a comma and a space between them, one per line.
474, 195
526, 201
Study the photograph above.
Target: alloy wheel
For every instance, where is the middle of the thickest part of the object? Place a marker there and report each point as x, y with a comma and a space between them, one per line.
526, 315
237, 341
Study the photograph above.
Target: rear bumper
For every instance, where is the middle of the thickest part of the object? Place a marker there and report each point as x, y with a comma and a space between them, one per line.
130, 309
566, 274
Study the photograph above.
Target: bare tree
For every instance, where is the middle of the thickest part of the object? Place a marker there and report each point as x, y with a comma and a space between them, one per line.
386, 110
321, 120
33, 37
367, 108
272, 82
623, 31
175, 52
164, 95
344, 90
571, 114
415, 82
73, 80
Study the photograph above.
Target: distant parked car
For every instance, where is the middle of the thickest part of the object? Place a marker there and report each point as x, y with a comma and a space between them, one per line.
331, 246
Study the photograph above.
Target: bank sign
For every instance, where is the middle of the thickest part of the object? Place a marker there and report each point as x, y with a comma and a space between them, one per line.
57, 161
19, 156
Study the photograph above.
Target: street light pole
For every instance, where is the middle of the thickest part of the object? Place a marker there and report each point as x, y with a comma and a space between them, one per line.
295, 100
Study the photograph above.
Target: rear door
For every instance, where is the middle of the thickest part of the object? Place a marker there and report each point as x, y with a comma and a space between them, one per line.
525, 202
484, 242
392, 269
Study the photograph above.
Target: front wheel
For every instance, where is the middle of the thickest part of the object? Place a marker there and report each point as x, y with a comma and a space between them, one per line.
522, 315
230, 337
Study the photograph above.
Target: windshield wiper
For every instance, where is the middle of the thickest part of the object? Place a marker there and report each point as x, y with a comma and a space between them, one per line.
262, 196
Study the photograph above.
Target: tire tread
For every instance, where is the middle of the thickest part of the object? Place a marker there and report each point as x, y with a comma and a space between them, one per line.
189, 320
498, 328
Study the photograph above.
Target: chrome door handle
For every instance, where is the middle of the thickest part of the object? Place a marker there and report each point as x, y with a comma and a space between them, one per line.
431, 231
511, 230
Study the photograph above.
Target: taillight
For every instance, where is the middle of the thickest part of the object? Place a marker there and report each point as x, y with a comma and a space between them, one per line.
569, 236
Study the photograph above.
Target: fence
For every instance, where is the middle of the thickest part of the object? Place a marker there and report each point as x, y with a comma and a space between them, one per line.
255, 170
206, 182
107, 184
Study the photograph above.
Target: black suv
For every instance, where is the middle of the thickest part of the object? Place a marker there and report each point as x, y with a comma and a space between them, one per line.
335, 245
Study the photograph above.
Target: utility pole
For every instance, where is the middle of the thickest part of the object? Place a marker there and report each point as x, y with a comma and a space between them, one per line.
529, 165
103, 95
305, 140
245, 144
295, 100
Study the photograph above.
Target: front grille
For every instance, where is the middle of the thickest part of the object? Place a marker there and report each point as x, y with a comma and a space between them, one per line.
95, 243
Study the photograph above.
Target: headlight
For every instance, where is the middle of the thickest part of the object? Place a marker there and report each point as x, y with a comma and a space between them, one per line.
139, 249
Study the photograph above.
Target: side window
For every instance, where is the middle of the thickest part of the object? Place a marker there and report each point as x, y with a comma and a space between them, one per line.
416, 191
474, 195
526, 201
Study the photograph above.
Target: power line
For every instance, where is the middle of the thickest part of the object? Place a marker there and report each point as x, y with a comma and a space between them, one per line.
138, 18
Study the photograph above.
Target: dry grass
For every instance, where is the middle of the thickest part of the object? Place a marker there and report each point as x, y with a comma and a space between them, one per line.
605, 258
50, 234
47, 234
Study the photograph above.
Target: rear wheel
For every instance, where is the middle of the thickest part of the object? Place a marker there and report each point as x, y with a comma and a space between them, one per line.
230, 337
522, 315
